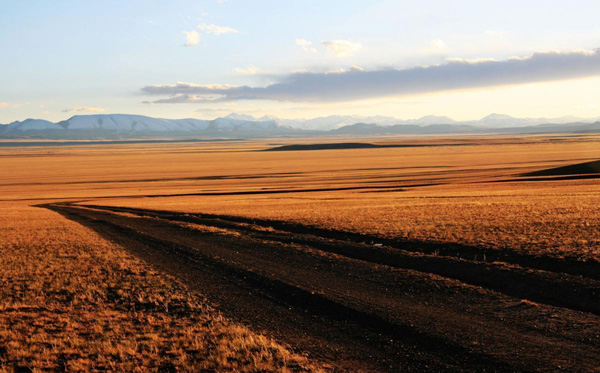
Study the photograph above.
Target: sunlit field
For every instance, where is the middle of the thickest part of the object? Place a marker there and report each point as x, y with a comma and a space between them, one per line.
468, 194
536, 218
71, 301
467, 221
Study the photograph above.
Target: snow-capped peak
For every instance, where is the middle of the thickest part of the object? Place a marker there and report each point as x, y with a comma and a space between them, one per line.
237, 116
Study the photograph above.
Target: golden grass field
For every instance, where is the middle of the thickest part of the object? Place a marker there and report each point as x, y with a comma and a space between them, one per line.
544, 219
72, 300
556, 217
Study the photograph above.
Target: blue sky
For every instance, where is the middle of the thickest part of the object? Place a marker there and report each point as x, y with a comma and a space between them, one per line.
61, 58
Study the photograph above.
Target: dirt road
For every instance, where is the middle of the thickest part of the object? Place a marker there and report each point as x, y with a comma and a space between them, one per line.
370, 305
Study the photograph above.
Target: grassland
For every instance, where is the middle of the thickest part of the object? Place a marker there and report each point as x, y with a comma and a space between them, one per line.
548, 220
71, 301
464, 216
447, 194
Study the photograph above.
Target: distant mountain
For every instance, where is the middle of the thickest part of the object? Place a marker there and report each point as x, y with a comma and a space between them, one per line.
337, 121
334, 122
115, 126
122, 123
411, 129
30, 125
245, 117
578, 127
321, 123
404, 129
127, 126
504, 121
224, 125
363, 129
429, 120
266, 118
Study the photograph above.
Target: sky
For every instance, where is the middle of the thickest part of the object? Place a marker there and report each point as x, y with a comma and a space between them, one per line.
299, 59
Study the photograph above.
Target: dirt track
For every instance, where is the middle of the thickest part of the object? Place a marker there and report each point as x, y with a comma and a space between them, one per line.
362, 304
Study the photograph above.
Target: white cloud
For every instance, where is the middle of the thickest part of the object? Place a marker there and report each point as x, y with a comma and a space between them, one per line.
438, 43
356, 84
4, 105
342, 48
252, 70
85, 110
306, 45
217, 30
191, 38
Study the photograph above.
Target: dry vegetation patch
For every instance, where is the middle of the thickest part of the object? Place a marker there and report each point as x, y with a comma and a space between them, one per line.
558, 219
71, 301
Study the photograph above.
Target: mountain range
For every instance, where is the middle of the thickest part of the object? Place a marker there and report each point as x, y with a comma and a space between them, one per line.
245, 126
336, 121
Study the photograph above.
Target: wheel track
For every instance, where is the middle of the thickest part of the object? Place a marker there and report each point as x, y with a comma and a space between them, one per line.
381, 333
587, 268
432, 348
553, 288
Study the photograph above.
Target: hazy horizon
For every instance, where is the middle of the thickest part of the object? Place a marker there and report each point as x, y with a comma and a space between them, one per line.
256, 117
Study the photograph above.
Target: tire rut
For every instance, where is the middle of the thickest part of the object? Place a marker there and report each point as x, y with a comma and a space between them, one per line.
587, 268
552, 288
420, 351
358, 314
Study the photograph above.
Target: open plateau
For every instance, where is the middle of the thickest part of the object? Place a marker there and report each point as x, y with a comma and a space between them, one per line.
472, 253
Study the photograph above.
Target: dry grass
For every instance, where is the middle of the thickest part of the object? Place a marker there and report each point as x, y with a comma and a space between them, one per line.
71, 301
555, 218
137, 170
560, 219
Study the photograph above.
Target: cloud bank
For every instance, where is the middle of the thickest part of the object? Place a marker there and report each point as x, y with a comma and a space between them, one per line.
356, 84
